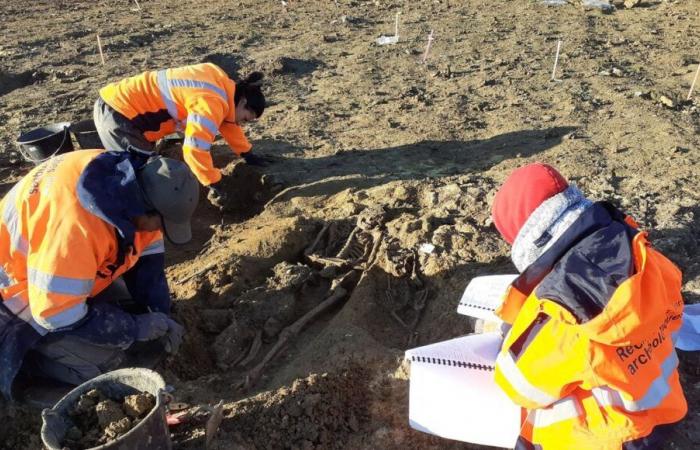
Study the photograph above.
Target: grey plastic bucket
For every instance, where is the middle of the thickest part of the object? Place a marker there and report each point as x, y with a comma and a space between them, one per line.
150, 434
41, 144
85, 133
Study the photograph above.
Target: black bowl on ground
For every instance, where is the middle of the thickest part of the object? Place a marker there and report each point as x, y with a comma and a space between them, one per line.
41, 144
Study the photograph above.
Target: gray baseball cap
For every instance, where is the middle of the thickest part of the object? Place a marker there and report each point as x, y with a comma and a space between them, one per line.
173, 191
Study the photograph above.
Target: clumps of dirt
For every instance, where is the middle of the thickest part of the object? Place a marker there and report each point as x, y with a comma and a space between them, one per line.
321, 411
98, 419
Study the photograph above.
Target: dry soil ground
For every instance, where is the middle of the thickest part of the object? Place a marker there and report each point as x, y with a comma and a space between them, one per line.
418, 149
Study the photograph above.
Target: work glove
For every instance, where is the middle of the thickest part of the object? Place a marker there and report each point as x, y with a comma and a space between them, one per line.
217, 196
254, 160
173, 338
157, 325
151, 326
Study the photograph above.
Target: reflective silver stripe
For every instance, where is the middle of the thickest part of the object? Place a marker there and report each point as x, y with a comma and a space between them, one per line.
5, 280
198, 84
64, 318
165, 94
153, 248
20, 308
26, 315
565, 409
205, 122
10, 217
16, 304
658, 390
510, 370
197, 143
60, 285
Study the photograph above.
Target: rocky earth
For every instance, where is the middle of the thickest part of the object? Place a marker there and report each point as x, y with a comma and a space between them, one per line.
99, 419
299, 303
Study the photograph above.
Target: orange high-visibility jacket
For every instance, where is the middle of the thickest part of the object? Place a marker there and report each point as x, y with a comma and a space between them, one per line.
198, 99
590, 353
54, 253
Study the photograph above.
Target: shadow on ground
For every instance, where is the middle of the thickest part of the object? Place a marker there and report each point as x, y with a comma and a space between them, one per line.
425, 159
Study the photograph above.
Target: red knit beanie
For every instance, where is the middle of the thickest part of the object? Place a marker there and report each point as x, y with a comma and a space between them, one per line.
524, 190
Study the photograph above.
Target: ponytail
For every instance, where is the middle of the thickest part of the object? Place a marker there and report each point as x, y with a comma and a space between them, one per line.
250, 89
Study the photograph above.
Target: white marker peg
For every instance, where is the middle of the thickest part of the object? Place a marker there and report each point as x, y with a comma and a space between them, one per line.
99, 47
692, 86
396, 26
556, 61
427, 47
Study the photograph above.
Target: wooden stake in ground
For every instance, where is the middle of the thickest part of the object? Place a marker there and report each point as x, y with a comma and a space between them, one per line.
692, 86
556, 61
99, 46
427, 47
396, 26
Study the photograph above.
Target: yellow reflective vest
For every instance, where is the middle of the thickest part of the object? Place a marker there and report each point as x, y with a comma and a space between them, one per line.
590, 353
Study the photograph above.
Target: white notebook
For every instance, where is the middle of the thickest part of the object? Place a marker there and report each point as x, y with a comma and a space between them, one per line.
483, 295
688, 337
453, 393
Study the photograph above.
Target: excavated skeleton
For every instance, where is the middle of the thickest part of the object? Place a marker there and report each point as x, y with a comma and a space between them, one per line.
345, 253
357, 248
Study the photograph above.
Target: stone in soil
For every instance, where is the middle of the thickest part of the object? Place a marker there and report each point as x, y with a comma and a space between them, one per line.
108, 411
99, 419
667, 102
137, 406
117, 428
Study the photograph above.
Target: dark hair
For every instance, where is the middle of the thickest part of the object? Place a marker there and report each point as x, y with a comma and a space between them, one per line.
249, 88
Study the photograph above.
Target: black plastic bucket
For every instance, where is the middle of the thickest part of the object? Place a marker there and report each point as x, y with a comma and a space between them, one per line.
151, 433
43, 143
85, 133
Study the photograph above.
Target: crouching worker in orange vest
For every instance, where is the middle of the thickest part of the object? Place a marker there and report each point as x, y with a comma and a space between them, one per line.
590, 352
200, 100
70, 228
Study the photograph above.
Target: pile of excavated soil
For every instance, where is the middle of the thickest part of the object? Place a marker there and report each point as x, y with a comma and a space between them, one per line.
98, 420
373, 154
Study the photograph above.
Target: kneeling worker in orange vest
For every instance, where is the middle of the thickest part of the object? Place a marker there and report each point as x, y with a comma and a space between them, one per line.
200, 100
68, 229
590, 352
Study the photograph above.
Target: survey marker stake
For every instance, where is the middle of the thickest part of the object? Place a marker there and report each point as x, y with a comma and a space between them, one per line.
427, 47
692, 86
556, 61
383, 40
396, 24
99, 47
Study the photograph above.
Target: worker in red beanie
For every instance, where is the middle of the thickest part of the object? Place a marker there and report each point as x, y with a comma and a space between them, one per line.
590, 350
